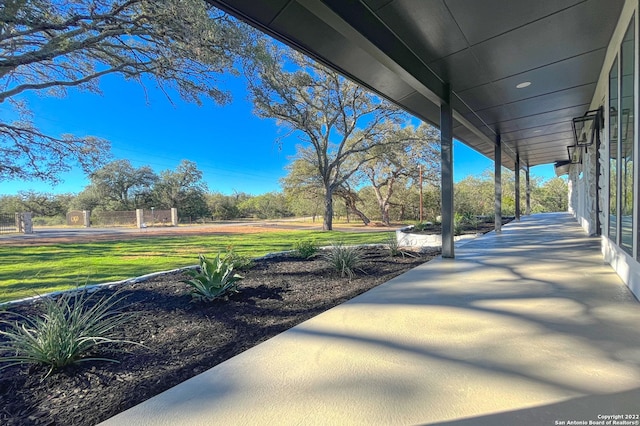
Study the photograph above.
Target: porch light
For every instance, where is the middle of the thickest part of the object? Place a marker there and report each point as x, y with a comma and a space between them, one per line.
575, 154
586, 129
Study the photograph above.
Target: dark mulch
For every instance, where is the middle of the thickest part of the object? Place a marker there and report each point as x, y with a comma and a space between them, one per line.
185, 338
482, 227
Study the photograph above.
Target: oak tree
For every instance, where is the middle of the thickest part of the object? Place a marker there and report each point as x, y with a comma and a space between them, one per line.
407, 153
47, 46
120, 186
335, 118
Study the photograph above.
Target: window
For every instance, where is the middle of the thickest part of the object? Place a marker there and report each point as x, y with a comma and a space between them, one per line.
613, 152
627, 138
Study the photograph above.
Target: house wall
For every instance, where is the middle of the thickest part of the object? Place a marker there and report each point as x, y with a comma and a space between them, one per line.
583, 179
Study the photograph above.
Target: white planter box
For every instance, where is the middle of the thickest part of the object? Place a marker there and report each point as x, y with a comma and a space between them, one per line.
407, 239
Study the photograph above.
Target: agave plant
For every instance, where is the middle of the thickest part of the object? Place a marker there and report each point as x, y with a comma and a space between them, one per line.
214, 278
67, 332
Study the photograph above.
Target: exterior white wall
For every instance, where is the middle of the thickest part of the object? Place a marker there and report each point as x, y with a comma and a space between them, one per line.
582, 177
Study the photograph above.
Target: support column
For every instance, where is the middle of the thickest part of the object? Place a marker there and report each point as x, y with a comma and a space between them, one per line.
174, 216
27, 223
517, 200
446, 151
140, 219
497, 183
86, 218
527, 209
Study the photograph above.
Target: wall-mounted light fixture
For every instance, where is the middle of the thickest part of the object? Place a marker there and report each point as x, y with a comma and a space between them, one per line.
586, 129
575, 154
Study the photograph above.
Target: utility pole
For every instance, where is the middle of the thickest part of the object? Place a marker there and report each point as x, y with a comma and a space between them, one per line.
420, 180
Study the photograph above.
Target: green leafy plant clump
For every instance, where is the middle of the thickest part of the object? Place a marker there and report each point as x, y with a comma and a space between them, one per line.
213, 279
344, 259
68, 331
238, 261
305, 249
423, 226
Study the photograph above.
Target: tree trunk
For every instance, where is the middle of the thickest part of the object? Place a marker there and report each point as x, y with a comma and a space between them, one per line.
351, 206
383, 204
385, 214
362, 216
327, 223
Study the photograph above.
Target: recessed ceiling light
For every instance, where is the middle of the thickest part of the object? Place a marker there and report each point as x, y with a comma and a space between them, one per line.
523, 85
537, 131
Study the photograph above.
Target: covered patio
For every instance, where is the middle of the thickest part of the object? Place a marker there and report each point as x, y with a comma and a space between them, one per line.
527, 326
524, 327
505, 77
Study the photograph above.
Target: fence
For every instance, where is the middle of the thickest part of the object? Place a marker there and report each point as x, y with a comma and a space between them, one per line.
135, 218
8, 223
157, 218
118, 218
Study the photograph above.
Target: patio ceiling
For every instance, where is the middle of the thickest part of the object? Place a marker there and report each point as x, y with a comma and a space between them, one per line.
410, 50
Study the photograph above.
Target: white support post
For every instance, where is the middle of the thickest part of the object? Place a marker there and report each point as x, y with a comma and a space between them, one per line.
174, 216
140, 218
27, 223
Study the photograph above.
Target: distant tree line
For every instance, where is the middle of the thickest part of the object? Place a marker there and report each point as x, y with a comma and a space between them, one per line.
378, 193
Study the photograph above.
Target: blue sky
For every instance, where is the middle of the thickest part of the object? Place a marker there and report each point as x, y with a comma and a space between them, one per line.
235, 150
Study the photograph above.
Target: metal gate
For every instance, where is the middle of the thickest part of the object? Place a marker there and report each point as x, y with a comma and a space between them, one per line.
8, 223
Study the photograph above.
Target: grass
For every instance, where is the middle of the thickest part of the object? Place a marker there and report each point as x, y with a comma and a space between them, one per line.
28, 271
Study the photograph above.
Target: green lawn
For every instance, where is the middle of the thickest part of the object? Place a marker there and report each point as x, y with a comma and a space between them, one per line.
27, 271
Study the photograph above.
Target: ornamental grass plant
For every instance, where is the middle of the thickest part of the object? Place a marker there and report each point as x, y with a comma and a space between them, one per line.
344, 259
69, 331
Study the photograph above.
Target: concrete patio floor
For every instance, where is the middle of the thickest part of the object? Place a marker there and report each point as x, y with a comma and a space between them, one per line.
529, 327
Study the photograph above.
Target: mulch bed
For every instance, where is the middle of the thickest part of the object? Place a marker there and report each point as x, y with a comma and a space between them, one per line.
185, 338
481, 227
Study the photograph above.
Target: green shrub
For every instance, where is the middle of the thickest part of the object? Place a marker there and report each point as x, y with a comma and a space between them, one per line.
67, 333
464, 221
344, 259
215, 278
238, 261
458, 224
471, 220
304, 249
423, 226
